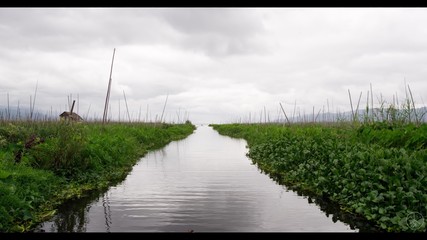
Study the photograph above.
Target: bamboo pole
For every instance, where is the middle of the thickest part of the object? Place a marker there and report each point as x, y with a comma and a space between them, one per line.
87, 113
265, 115
313, 114
328, 118
164, 107
372, 103
283, 110
293, 114
30, 115
317, 115
357, 108
8, 107
34, 101
126, 102
18, 112
139, 114
146, 115
72, 107
351, 104
107, 98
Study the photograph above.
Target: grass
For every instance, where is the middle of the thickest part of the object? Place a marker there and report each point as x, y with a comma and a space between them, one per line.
43, 164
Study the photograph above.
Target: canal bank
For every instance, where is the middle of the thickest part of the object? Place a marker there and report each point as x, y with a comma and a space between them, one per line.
204, 183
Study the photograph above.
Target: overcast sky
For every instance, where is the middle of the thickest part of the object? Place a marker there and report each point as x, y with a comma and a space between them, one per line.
213, 65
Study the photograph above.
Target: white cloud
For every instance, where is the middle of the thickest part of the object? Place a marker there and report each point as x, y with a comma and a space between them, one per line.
217, 65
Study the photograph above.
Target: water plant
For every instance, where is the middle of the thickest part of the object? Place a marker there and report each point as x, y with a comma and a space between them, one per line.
375, 170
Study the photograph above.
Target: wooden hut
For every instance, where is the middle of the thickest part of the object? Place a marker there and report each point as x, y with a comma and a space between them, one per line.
71, 115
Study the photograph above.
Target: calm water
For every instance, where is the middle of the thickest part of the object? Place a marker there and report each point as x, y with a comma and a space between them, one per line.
203, 183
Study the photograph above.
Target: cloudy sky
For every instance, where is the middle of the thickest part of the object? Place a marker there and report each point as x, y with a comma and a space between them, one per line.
213, 65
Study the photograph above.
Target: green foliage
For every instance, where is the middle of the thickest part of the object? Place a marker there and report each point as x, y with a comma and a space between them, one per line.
62, 152
22, 190
378, 171
65, 161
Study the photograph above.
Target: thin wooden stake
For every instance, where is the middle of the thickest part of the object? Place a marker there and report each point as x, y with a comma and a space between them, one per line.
164, 106
107, 98
351, 104
139, 114
265, 115
357, 108
283, 110
18, 112
126, 102
87, 113
8, 107
372, 103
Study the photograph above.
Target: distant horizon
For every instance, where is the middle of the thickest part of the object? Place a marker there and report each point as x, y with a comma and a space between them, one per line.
319, 117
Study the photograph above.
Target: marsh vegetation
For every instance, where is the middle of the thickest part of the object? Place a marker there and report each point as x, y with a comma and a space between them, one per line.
44, 163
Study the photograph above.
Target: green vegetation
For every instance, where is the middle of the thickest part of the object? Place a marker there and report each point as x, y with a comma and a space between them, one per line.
42, 164
377, 170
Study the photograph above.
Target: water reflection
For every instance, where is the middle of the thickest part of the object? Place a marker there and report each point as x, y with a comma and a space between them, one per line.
204, 183
72, 216
331, 209
107, 211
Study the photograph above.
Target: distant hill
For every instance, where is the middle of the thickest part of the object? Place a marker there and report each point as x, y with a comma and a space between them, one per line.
23, 113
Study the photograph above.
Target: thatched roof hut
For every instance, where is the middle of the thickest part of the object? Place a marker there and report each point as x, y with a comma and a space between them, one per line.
71, 116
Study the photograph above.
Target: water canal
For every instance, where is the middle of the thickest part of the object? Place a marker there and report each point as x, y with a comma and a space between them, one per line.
204, 183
